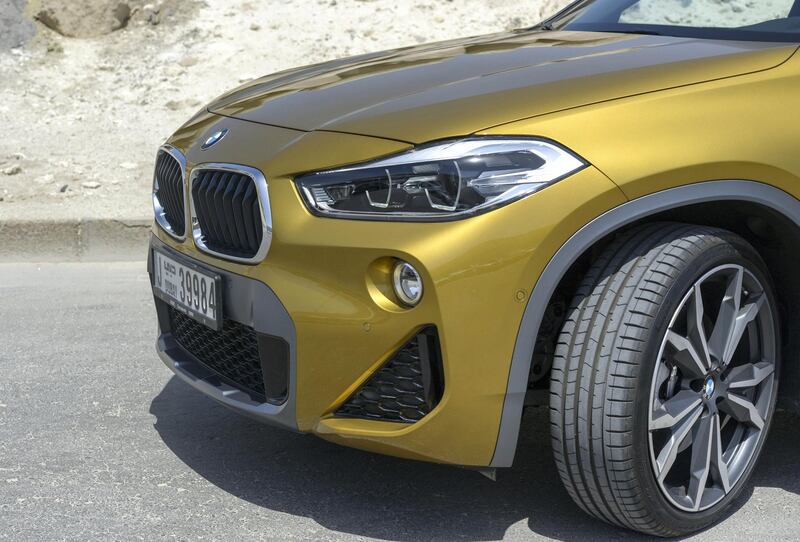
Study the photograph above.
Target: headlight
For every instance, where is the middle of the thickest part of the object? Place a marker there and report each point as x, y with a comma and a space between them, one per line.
441, 181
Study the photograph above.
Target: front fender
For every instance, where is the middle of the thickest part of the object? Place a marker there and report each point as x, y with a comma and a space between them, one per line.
583, 240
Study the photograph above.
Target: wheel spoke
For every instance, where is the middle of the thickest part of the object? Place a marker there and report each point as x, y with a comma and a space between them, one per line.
675, 410
750, 375
732, 320
726, 316
743, 410
744, 317
696, 331
702, 446
718, 463
666, 458
686, 356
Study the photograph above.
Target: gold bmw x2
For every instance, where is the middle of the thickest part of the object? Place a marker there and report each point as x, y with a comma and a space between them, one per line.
401, 251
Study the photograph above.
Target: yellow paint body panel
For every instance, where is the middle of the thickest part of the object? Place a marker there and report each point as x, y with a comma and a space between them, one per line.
473, 269
642, 131
744, 127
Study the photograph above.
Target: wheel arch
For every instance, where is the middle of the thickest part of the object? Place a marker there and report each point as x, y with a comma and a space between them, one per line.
767, 216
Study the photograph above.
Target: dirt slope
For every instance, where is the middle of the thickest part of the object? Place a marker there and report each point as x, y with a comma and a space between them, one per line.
82, 118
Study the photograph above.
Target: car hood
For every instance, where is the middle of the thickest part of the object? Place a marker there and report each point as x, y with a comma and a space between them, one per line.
459, 87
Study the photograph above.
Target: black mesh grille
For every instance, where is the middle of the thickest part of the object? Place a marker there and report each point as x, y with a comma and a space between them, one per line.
232, 353
404, 390
228, 211
169, 192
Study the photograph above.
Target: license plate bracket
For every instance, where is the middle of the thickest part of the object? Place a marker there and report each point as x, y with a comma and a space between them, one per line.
188, 287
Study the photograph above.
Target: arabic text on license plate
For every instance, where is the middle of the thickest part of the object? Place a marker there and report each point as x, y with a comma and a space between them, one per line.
188, 289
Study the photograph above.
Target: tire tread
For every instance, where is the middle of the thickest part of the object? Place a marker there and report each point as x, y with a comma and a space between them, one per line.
596, 367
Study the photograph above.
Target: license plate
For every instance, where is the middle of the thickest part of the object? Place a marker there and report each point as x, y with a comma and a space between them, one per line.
189, 288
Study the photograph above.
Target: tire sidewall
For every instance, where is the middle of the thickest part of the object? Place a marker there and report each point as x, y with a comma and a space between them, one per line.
731, 250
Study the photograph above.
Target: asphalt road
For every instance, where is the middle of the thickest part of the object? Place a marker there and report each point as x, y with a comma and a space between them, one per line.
98, 441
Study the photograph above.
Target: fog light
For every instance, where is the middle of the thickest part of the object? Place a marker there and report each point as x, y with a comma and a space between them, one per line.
407, 284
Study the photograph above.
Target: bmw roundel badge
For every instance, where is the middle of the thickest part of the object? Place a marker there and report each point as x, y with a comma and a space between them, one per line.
214, 139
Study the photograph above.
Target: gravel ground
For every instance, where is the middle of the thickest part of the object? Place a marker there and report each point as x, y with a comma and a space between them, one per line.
99, 442
707, 12
15, 29
82, 118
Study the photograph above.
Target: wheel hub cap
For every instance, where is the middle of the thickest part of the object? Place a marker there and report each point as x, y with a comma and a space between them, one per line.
709, 388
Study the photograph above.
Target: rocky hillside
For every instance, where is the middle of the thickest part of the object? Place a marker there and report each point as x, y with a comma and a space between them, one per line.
90, 88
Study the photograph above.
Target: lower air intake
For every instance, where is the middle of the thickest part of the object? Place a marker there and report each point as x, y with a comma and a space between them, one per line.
406, 389
231, 352
251, 362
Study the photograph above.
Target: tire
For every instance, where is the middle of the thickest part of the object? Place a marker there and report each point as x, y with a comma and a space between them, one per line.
609, 397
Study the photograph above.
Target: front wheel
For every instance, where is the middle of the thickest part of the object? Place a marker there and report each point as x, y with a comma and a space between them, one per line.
665, 378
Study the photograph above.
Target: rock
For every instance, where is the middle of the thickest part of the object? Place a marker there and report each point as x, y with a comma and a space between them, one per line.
15, 28
12, 170
91, 185
55, 47
45, 179
150, 14
514, 23
85, 19
188, 61
178, 105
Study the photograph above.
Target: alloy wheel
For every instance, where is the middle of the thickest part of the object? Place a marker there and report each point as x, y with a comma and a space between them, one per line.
712, 388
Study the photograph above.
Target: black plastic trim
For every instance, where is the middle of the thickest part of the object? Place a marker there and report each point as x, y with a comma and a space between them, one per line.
406, 388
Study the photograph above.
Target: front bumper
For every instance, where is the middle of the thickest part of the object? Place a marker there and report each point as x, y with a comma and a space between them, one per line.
248, 302
324, 284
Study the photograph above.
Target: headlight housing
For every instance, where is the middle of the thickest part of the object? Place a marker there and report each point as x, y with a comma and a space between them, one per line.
441, 181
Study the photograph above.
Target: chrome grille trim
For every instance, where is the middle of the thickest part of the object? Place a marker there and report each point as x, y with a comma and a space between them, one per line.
262, 191
158, 208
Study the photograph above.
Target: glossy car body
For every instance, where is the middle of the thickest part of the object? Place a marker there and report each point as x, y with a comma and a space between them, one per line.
668, 127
